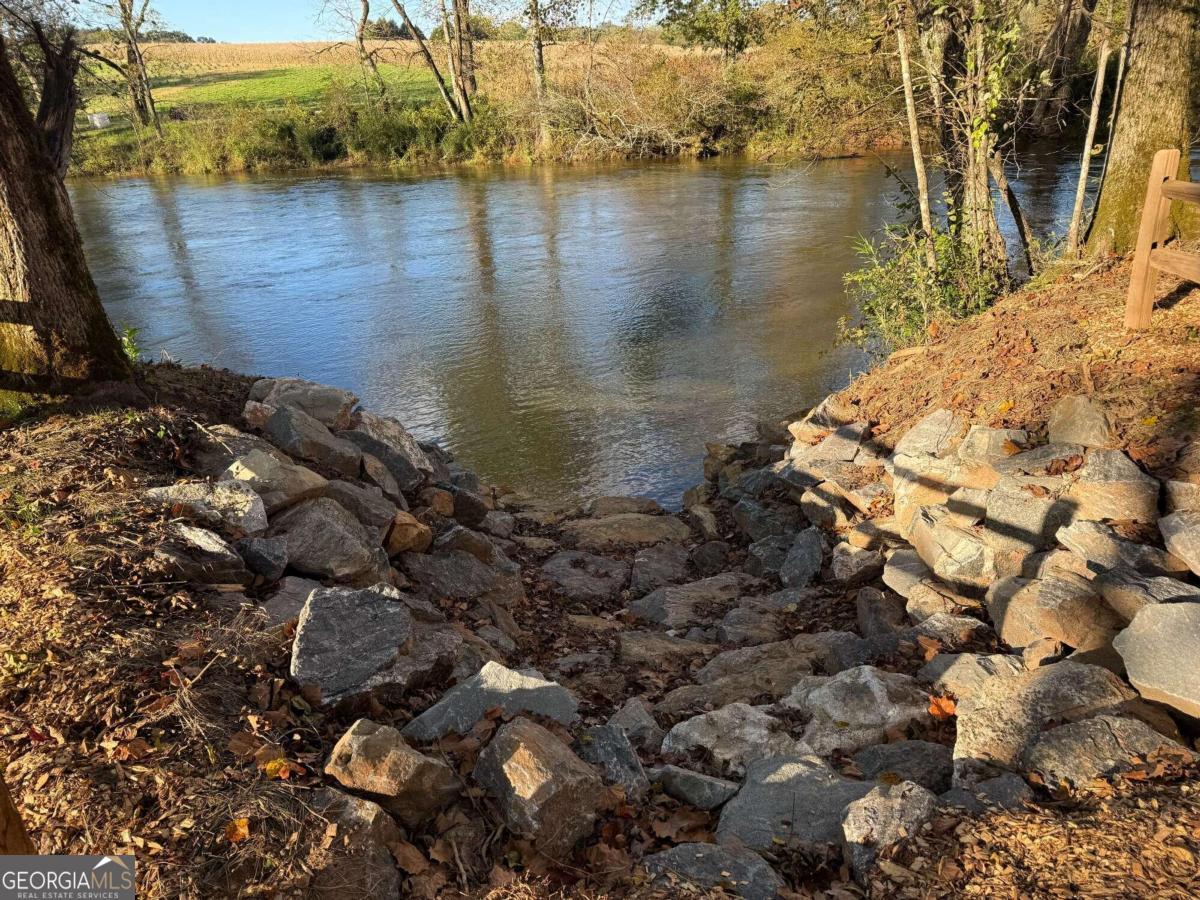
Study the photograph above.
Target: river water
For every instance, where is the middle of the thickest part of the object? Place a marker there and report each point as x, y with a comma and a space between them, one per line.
572, 331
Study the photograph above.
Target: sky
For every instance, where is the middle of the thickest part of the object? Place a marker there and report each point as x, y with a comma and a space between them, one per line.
241, 21
245, 20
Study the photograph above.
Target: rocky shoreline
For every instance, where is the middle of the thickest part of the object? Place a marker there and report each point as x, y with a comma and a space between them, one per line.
839, 637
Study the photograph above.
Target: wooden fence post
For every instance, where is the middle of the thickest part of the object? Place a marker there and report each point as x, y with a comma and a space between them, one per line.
1151, 233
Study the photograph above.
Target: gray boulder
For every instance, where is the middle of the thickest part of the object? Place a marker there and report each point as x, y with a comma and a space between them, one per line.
608, 748
623, 531
303, 437
881, 819
346, 637
545, 792
998, 723
1006, 791
367, 504
1128, 592
264, 556
585, 577
1102, 548
280, 483
711, 558
730, 870
1181, 534
230, 506
655, 567
879, 612
1161, 651
927, 764
700, 602
803, 562
329, 405
824, 507
794, 802
757, 521
1111, 486
396, 449
693, 788
765, 557
374, 759
962, 674
459, 575
1025, 512
219, 445
1075, 754
288, 599
904, 570
856, 708
493, 686
639, 725
201, 556
732, 737
937, 434
360, 862
748, 624
850, 566
324, 539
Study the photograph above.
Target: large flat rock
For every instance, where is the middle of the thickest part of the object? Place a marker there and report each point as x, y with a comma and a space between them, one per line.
493, 686
1161, 651
789, 802
623, 531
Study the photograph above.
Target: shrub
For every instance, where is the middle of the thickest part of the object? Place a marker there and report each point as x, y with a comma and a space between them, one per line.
898, 296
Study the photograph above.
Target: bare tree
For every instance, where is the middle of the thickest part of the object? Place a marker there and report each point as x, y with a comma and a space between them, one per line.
1085, 163
54, 333
128, 18
430, 63
914, 136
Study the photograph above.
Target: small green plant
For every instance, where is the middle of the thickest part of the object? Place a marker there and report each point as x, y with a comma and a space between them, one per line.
899, 297
129, 343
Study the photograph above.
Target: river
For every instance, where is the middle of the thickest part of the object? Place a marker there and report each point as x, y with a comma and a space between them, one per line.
567, 330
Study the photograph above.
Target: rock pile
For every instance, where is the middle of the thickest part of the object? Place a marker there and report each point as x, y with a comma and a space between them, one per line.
815, 616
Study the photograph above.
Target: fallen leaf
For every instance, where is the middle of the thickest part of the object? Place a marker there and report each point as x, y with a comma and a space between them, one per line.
237, 830
409, 857
942, 707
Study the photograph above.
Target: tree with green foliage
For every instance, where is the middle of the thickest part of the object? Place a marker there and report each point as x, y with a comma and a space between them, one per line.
728, 25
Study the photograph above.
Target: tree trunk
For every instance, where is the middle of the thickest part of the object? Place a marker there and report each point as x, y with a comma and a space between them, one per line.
54, 334
996, 167
429, 61
1156, 113
14, 840
137, 97
58, 100
1085, 163
466, 46
539, 69
365, 59
1059, 59
914, 136
452, 60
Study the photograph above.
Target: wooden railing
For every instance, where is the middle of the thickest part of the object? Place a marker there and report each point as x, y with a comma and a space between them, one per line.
1151, 257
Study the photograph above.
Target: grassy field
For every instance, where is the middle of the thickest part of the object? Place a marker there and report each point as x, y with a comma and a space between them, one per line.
193, 76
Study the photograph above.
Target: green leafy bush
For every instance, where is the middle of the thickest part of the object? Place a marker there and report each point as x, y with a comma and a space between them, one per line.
899, 297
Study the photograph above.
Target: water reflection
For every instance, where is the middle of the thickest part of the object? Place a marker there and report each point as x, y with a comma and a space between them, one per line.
566, 330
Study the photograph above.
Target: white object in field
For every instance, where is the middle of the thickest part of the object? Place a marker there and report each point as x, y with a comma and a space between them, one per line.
99, 120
